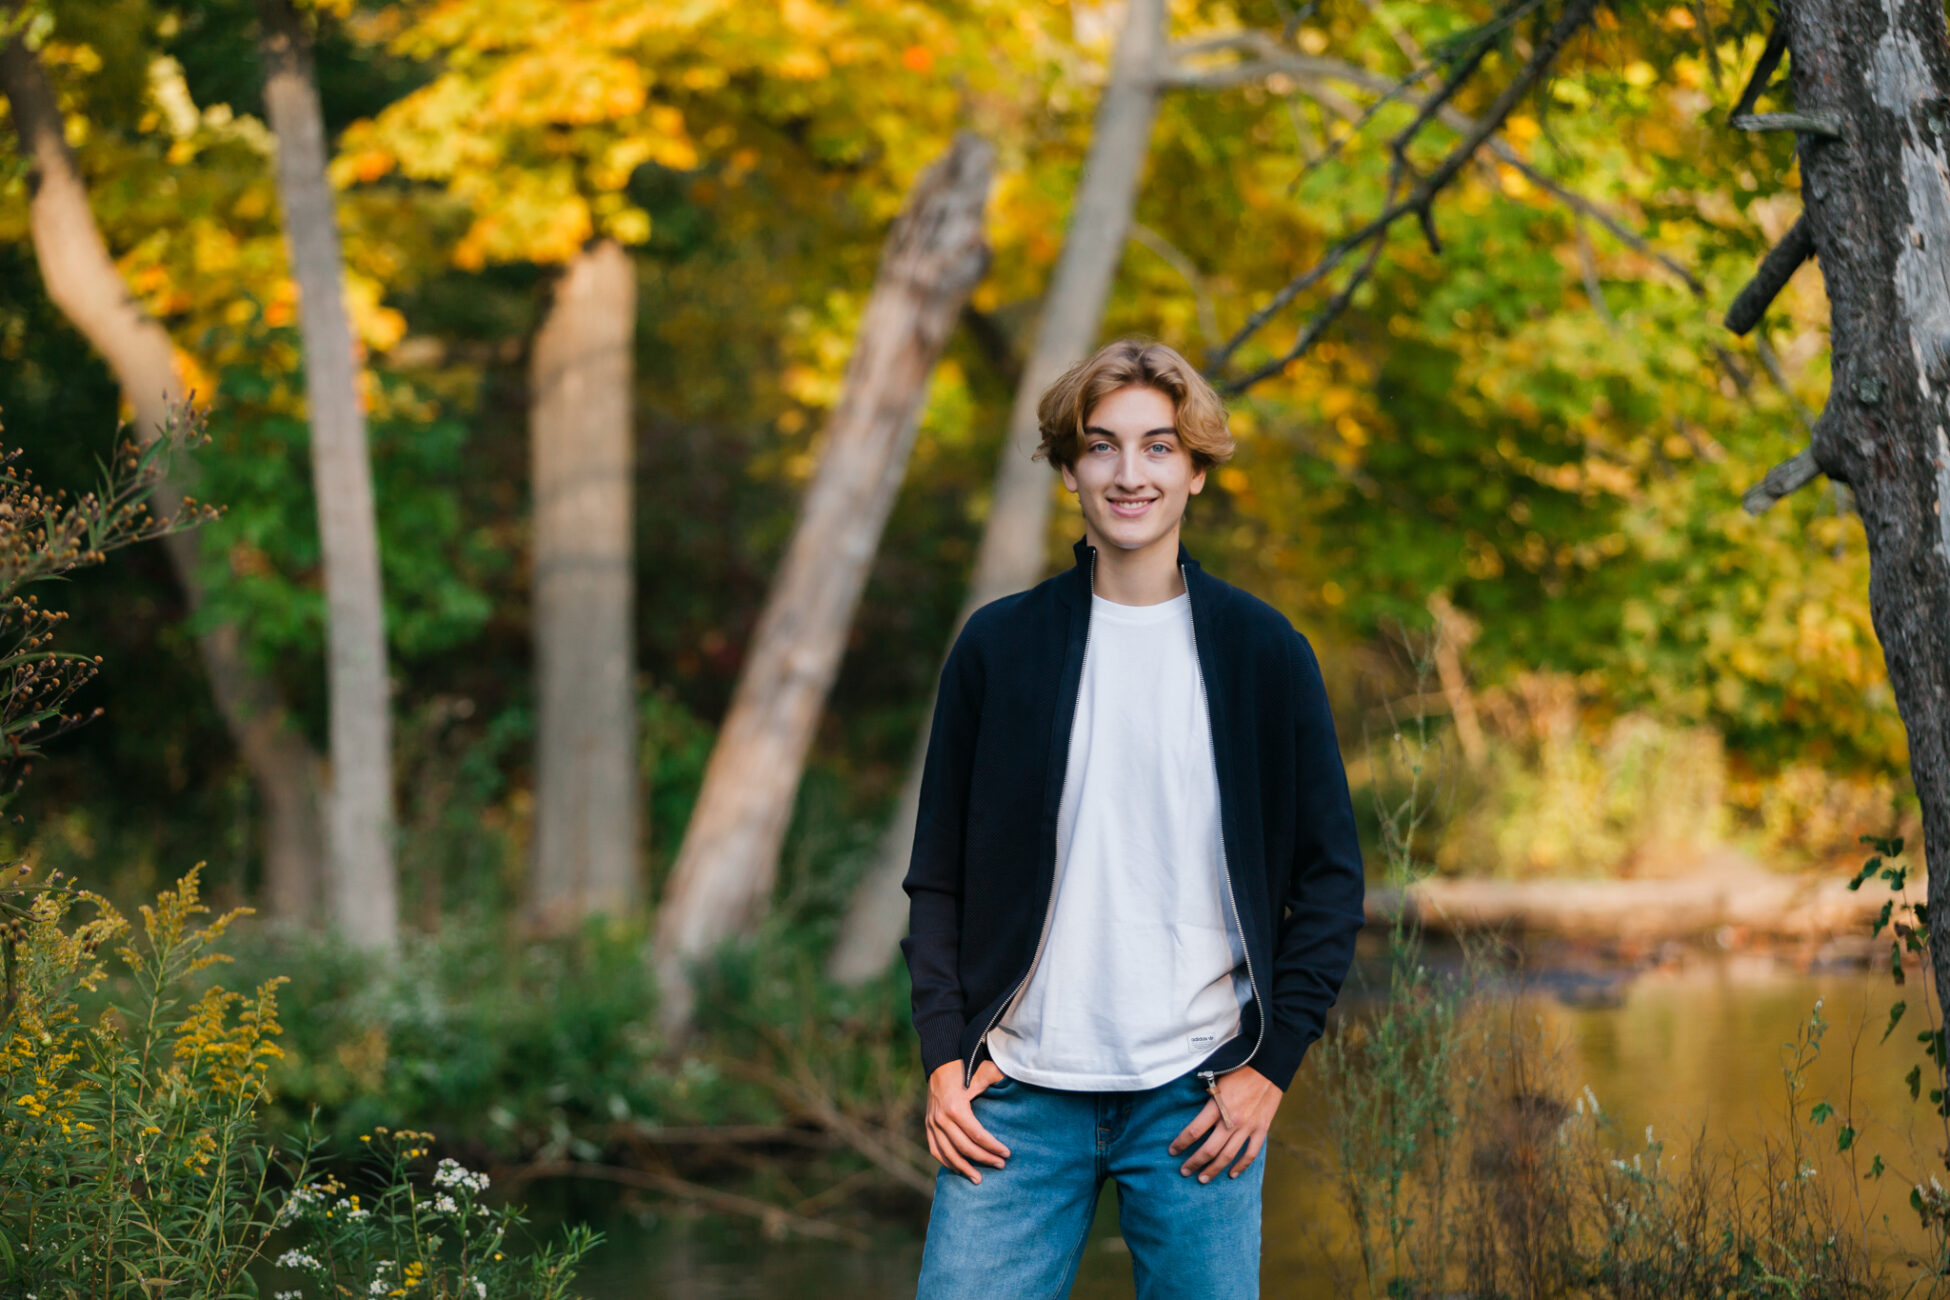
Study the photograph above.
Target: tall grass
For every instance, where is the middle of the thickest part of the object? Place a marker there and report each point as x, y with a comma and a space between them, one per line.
1467, 1164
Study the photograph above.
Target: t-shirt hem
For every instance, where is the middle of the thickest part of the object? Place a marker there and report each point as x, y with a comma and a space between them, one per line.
1107, 1082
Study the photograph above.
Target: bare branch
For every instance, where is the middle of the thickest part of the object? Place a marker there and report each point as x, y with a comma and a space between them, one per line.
1791, 475
1828, 125
1419, 202
1315, 328
1585, 207
1770, 58
1776, 269
1434, 104
1461, 122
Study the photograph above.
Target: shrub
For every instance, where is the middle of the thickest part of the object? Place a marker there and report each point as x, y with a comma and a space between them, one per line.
132, 1154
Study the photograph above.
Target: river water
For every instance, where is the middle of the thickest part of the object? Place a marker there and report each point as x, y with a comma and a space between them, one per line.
1691, 1047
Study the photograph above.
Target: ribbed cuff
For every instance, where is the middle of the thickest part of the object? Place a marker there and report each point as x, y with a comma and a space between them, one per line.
940, 1042
1279, 1058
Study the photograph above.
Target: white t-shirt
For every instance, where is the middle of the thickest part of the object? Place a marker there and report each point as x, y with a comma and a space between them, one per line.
1140, 974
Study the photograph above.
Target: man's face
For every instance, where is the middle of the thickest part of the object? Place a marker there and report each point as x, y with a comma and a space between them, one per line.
1133, 477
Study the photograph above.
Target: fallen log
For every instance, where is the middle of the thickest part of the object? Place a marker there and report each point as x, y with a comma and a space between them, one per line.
1756, 902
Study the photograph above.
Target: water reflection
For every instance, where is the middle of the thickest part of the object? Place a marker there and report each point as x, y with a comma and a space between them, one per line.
1688, 1047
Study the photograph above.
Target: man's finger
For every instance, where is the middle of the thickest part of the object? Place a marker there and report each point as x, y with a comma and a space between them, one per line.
1233, 1142
964, 1142
982, 1138
1250, 1154
1206, 1117
952, 1158
1209, 1150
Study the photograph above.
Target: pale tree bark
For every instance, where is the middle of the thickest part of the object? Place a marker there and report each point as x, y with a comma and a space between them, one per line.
582, 446
82, 281
361, 885
934, 256
1014, 547
1871, 83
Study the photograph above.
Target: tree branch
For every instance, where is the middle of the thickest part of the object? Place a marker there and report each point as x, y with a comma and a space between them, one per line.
1585, 207
1827, 125
1776, 269
1418, 202
1770, 58
1316, 327
1791, 475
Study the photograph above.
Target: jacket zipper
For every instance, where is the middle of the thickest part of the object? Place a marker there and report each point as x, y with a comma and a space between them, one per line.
1056, 848
1211, 1077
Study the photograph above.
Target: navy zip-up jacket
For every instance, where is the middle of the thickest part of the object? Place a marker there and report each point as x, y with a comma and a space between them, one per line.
984, 861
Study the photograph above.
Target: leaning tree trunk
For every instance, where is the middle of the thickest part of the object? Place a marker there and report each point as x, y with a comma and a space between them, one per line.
1872, 103
82, 281
582, 445
1014, 548
724, 873
361, 885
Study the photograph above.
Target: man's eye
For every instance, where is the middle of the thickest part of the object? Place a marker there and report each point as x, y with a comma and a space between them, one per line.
1164, 447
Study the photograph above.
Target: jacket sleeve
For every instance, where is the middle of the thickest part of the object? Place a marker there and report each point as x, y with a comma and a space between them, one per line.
934, 874
1323, 898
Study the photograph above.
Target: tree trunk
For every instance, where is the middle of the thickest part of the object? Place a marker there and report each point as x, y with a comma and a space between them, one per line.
1014, 547
1878, 202
361, 886
725, 869
82, 281
583, 448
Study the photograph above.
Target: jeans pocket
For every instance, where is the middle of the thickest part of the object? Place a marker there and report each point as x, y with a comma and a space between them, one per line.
1003, 1085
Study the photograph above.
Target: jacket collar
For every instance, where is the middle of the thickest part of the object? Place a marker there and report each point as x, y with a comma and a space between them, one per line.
1078, 588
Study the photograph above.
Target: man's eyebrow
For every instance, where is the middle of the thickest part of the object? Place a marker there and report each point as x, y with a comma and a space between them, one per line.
1165, 431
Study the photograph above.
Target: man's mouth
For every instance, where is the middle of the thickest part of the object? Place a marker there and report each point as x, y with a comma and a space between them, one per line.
1130, 507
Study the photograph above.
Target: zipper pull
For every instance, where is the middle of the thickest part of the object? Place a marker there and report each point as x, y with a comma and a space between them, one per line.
1212, 1086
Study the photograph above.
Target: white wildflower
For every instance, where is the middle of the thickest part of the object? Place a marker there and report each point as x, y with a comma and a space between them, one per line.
299, 1259
452, 1174
444, 1204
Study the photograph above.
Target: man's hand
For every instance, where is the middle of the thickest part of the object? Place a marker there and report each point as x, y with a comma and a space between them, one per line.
1249, 1103
955, 1137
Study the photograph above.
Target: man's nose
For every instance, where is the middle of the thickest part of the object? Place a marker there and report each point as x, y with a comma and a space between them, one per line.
1130, 468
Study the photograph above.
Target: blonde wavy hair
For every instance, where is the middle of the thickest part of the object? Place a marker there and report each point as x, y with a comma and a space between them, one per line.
1067, 403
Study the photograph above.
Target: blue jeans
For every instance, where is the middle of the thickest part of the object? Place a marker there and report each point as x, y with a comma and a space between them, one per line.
1020, 1232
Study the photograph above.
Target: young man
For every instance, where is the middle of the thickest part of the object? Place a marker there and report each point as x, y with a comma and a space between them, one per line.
1135, 883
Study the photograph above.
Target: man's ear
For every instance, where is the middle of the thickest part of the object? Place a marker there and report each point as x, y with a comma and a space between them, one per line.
1198, 482
1069, 477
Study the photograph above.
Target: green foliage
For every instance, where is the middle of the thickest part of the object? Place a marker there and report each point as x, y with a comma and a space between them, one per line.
520, 1046
437, 1239
132, 1151
263, 559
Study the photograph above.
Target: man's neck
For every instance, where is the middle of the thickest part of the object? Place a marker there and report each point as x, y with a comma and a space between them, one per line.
1148, 576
